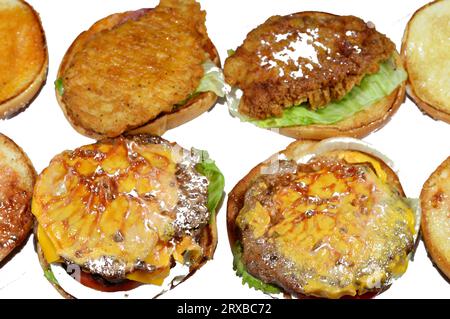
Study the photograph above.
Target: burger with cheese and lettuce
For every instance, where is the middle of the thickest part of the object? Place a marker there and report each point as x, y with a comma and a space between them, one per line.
130, 216
324, 219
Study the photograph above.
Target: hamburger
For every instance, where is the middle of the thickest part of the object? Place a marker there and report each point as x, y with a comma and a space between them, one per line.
130, 216
435, 204
17, 178
426, 54
24, 57
324, 219
314, 75
143, 71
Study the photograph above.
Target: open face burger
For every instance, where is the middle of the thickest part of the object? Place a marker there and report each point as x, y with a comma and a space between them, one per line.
143, 71
130, 215
314, 75
322, 219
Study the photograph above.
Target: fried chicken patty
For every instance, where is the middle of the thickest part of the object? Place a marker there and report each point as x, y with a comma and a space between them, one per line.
309, 57
128, 75
327, 228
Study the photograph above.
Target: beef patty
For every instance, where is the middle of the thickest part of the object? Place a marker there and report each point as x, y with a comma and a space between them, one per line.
327, 229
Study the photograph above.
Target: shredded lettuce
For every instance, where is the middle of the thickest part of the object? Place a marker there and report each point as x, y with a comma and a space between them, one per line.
230, 52
184, 102
247, 278
208, 168
372, 89
48, 273
59, 86
212, 81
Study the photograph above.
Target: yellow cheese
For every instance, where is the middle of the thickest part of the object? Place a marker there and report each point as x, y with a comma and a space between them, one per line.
153, 278
258, 218
357, 157
100, 200
160, 257
47, 247
315, 288
187, 245
332, 224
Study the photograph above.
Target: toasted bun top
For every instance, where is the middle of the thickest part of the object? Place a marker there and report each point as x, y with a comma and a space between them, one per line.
323, 217
17, 177
426, 51
435, 203
22, 49
94, 100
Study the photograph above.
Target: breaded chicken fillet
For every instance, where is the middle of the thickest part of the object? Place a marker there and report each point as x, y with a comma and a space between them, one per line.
145, 64
309, 57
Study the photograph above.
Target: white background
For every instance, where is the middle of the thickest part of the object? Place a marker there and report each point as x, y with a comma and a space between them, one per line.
416, 143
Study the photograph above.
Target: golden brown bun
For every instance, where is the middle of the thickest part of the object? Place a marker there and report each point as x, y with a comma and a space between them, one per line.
17, 178
428, 82
435, 225
294, 151
359, 125
194, 108
24, 63
198, 105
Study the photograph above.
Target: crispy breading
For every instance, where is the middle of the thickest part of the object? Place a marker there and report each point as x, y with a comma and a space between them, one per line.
128, 75
309, 57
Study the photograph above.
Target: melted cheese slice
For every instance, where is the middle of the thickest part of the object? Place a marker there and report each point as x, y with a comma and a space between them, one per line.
112, 199
345, 233
428, 54
160, 258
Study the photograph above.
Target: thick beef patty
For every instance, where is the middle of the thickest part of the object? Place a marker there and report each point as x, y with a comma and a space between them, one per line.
328, 228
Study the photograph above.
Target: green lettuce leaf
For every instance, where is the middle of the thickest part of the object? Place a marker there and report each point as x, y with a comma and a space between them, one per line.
231, 52
59, 86
212, 80
48, 273
208, 168
184, 102
372, 89
247, 278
